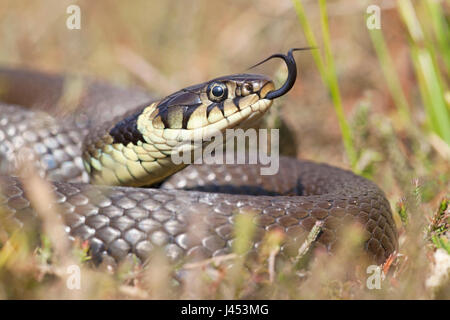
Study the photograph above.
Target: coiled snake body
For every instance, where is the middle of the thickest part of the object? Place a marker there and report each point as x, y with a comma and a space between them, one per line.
134, 150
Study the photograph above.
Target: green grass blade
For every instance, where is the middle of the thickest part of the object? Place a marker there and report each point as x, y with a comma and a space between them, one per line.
429, 78
310, 38
333, 86
392, 80
441, 29
328, 72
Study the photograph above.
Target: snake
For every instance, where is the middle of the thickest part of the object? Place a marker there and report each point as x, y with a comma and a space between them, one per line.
107, 154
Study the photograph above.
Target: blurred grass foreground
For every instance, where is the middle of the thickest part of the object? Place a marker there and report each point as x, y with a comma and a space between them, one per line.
374, 97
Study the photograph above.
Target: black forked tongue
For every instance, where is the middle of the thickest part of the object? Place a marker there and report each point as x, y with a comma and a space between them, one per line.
292, 72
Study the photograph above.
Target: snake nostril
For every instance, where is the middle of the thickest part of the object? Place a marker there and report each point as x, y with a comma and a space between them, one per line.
247, 89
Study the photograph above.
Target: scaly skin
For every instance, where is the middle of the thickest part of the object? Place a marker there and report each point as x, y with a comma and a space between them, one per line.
121, 221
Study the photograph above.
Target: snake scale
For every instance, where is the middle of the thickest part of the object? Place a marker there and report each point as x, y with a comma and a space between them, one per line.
190, 211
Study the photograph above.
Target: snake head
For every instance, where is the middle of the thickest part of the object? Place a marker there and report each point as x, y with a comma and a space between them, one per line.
137, 149
221, 103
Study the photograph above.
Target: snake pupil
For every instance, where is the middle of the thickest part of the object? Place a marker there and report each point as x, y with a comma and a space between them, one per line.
217, 91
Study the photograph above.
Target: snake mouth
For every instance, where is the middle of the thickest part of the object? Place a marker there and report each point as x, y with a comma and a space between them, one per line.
244, 117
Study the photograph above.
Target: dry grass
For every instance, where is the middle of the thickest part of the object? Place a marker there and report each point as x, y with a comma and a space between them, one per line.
165, 45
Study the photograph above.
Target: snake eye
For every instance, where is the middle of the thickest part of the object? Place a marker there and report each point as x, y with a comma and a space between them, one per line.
217, 91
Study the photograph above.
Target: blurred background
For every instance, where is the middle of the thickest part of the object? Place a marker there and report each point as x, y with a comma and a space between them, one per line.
375, 101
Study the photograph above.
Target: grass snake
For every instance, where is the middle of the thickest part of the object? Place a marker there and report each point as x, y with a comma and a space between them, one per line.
96, 150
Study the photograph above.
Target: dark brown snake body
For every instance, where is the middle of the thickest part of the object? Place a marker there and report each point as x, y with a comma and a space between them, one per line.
123, 221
